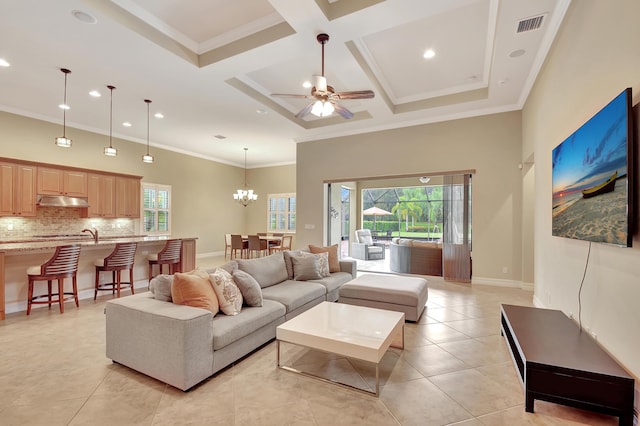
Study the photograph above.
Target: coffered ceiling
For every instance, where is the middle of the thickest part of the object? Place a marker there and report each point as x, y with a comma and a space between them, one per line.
210, 66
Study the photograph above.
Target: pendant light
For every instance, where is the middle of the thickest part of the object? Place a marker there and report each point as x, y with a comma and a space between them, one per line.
245, 196
147, 158
63, 141
110, 150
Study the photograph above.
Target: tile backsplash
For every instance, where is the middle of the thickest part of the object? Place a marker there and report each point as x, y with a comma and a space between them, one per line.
62, 220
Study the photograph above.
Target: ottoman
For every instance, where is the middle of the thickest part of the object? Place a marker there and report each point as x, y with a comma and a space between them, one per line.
391, 292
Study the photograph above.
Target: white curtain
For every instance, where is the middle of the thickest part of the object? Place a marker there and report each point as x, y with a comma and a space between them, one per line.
456, 237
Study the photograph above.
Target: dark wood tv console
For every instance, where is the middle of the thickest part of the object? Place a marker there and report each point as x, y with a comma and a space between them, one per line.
559, 363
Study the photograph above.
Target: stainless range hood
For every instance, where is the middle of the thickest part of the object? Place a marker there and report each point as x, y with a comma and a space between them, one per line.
61, 201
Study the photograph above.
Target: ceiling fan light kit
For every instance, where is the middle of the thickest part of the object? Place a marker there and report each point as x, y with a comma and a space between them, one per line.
324, 96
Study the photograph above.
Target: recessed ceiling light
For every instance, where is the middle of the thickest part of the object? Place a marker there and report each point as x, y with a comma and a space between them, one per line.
306, 85
64, 106
158, 115
429, 54
4, 63
84, 17
126, 124
94, 93
261, 111
517, 53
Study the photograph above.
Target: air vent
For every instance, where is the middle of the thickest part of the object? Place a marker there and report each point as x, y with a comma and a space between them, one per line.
530, 24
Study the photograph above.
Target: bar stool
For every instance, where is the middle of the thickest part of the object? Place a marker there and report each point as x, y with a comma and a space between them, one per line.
121, 258
170, 255
63, 264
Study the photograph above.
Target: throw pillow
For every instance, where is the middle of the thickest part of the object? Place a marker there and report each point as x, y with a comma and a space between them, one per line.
323, 264
249, 287
334, 261
305, 268
288, 254
194, 289
227, 291
160, 287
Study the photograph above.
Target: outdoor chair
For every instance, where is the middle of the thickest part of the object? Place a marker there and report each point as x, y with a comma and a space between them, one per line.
364, 248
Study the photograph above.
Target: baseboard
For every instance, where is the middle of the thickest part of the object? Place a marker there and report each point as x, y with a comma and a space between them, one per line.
501, 283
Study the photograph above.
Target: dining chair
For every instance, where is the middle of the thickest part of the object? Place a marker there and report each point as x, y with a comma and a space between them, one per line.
63, 264
170, 255
285, 244
257, 245
238, 243
227, 244
120, 259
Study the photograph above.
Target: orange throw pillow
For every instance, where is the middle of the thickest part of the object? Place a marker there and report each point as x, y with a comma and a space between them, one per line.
194, 289
334, 261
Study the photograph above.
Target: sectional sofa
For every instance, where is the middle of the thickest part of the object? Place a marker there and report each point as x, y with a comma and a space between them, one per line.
183, 345
415, 257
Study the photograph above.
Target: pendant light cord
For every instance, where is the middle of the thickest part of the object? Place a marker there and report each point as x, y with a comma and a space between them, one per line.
110, 115
148, 102
64, 110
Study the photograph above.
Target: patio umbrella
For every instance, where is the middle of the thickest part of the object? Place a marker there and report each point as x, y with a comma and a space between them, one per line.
375, 211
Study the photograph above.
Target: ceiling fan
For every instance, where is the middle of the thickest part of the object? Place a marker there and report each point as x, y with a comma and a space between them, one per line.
324, 96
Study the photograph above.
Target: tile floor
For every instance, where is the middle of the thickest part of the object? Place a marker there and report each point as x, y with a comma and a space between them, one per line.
455, 369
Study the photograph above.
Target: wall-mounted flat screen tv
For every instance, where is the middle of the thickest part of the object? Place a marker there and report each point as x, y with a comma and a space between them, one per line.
592, 175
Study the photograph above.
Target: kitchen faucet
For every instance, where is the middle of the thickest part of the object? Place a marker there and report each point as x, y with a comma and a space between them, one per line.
94, 233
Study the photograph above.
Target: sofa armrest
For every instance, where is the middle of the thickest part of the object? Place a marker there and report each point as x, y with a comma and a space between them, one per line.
172, 343
349, 266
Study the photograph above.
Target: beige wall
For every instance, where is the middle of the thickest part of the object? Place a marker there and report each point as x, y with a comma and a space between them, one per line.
491, 145
594, 57
202, 190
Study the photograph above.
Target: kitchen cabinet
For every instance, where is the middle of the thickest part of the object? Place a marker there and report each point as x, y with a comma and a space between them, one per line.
101, 196
18, 190
62, 182
127, 197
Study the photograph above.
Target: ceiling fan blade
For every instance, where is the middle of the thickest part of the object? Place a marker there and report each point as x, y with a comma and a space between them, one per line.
345, 113
358, 94
288, 95
305, 111
321, 83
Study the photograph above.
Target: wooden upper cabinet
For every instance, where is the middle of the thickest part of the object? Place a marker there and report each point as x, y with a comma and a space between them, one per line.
127, 197
62, 182
101, 196
18, 190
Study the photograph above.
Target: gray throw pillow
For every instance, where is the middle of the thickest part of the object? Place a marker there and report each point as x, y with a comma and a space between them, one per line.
160, 287
288, 254
249, 287
305, 268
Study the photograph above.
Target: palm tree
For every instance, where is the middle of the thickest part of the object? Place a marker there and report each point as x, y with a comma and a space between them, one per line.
405, 208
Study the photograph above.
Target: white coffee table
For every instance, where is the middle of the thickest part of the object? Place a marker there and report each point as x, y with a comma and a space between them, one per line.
357, 332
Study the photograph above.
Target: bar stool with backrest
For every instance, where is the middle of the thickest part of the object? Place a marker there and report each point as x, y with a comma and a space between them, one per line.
120, 259
63, 264
238, 243
170, 255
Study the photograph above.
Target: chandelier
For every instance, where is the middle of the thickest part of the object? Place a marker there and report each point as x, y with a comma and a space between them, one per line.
245, 196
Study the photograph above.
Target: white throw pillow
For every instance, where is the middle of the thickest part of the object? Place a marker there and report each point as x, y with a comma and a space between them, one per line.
229, 295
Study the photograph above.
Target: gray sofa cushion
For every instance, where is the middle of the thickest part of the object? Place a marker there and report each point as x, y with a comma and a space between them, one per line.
267, 270
228, 329
293, 294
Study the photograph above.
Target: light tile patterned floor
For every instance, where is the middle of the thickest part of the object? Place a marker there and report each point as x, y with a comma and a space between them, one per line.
455, 369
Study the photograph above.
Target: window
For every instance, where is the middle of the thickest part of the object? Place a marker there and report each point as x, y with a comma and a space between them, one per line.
281, 214
156, 208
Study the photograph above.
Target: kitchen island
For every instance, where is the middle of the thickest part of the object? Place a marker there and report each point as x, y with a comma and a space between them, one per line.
17, 255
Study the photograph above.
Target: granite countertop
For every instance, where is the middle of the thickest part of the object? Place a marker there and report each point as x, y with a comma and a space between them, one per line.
30, 243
